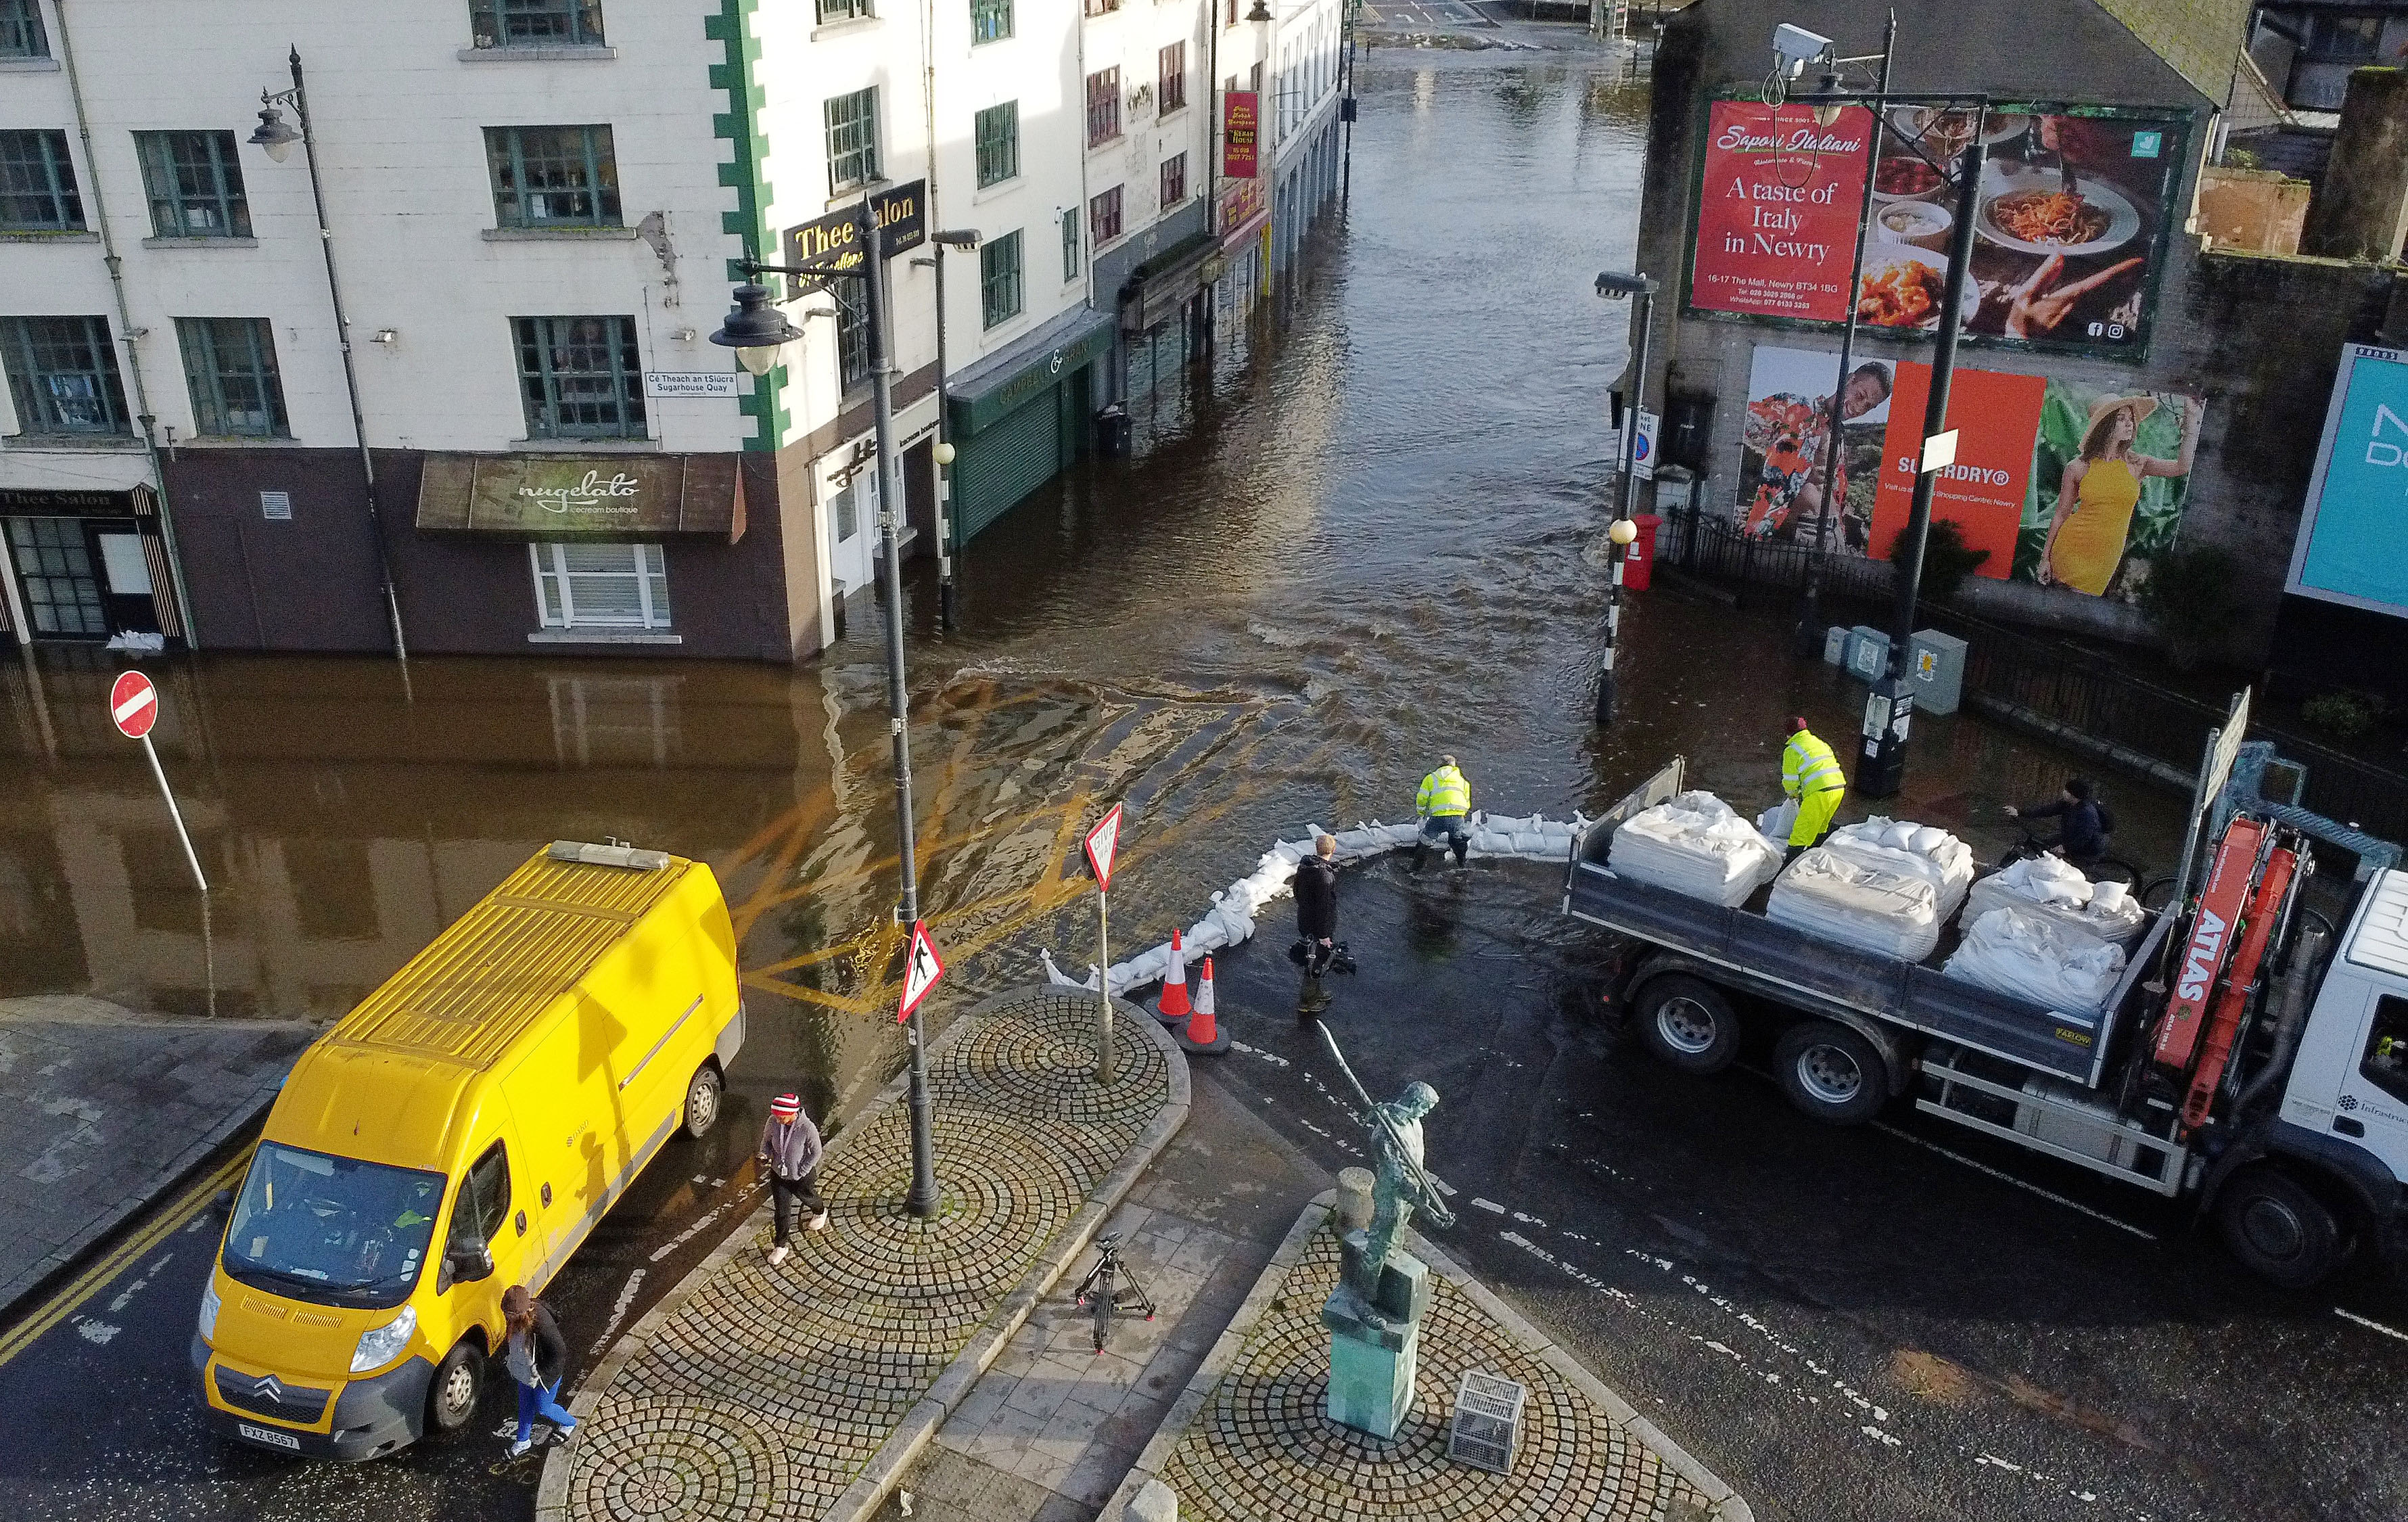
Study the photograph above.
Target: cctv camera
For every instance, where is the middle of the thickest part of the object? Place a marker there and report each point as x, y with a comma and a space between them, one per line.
1794, 48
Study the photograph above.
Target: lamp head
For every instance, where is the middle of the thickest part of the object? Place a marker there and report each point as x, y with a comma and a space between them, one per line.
1623, 532
755, 329
1260, 14
958, 238
1826, 111
1613, 285
274, 133
945, 452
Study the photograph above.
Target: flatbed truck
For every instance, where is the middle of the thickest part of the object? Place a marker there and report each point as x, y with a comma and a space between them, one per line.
2252, 1059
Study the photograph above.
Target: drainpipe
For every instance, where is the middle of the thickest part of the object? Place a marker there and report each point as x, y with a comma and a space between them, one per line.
126, 336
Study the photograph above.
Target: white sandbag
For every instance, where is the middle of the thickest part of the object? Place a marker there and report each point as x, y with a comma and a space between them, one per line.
1833, 897
1489, 842
2056, 890
2034, 957
1893, 845
1354, 843
1693, 844
1776, 823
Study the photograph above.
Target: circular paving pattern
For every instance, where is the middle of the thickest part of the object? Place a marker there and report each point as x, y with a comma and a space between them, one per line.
771, 1388
1262, 1446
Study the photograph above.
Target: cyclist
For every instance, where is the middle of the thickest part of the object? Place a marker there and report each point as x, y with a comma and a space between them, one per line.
2082, 837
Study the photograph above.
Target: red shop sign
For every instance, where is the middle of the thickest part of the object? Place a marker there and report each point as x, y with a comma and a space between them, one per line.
1237, 120
1777, 205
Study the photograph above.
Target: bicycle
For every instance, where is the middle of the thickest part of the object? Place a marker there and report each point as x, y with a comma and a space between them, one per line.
2106, 870
1100, 1295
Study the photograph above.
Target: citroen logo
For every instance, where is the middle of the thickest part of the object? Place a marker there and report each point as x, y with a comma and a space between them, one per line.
267, 1386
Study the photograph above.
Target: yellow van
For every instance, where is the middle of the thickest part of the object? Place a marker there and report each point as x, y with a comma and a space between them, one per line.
459, 1132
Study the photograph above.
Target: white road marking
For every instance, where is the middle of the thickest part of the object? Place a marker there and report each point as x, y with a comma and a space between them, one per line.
2377, 1325
1489, 1205
96, 1332
2024, 1184
705, 1219
618, 1312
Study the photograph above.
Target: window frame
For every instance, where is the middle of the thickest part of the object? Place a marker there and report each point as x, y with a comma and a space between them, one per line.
1174, 193
472, 1201
650, 563
865, 155
626, 372
28, 380
1108, 202
2324, 27
171, 203
1073, 248
830, 12
56, 168
1104, 107
985, 15
202, 341
596, 153
2389, 1018
1171, 77
1102, 8
21, 34
992, 279
584, 18
853, 356
1006, 146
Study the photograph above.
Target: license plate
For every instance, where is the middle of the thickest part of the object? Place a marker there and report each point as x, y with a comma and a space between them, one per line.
269, 1436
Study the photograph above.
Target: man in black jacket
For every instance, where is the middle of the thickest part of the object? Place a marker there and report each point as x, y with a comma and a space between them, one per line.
2083, 838
1316, 921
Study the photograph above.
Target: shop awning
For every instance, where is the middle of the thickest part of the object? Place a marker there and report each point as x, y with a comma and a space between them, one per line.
1156, 289
990, 388
571, 496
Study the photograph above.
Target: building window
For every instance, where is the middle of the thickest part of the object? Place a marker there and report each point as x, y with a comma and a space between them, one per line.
229, 364
552, 176
990, 20
1171, 88
600, 586
852, 331
1174, 179
1069, 245
1103, 106
2341, 39
1000, 298
852, 141
1104, 217
844, 10
21, 30
1102, 8
997, 133
536, 23
63, 375
580, 377
54, 568
194, 183
38, 183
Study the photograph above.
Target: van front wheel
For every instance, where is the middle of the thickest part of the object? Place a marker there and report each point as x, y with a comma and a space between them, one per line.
702, 1095
452, 1395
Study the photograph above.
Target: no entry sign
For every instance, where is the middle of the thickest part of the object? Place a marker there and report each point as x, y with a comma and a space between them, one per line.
134, 705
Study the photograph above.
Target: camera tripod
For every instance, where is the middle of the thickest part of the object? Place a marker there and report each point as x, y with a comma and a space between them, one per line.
1098, 1293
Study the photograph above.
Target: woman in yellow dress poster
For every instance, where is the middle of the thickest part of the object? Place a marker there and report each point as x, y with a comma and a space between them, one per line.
2105, 483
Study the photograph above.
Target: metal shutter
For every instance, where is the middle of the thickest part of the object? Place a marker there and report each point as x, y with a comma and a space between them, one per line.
1011, 458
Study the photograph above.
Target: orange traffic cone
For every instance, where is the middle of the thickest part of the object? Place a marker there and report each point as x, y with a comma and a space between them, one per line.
1202, 1032
1172, 1006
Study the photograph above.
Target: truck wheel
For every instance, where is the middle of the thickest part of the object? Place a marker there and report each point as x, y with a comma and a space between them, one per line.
1688, 1023
1830, 1072
2278, 1231
452, 1395
702, 1095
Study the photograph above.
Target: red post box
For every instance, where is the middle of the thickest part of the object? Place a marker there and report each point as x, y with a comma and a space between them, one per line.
1639, 561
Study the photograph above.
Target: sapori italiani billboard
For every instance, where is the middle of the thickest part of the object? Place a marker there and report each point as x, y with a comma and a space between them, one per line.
1777, 211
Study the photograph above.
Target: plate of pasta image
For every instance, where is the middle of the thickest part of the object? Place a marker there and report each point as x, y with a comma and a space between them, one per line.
2031, 210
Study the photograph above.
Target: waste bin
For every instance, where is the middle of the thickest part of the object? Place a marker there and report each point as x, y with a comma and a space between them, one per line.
1112, 430
1639, 561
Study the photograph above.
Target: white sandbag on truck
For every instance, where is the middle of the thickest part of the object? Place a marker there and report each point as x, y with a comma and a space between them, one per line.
1900, 845
1833, 898
2037, 959
1694, 846
2056, 890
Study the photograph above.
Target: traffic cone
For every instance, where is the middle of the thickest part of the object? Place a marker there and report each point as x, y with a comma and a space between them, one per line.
1202, 1032
1171, 1007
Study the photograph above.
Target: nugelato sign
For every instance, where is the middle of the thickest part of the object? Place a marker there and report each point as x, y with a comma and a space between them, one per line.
549, 497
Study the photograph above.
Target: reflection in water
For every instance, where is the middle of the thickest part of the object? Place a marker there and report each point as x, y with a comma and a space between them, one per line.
1370, 541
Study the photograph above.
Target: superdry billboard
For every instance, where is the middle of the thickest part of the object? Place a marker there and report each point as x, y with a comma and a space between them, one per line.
2352, 547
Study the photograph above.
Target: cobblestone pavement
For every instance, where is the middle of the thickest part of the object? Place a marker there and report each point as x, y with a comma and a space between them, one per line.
770, 1390
1260, 1447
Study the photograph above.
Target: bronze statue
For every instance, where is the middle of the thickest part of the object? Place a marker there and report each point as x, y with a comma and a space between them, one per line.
1400, 1185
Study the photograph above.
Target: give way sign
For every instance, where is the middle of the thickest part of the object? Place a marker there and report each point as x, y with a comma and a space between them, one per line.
134, 705
922, 968
1102, 841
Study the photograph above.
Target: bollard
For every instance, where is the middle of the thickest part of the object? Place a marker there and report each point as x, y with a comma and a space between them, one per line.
1154, 1501
1354, 1199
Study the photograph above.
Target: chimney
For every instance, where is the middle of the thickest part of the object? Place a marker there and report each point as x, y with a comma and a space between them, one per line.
2361, 210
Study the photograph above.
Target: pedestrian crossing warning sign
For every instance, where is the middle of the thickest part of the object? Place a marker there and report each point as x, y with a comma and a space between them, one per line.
920, 971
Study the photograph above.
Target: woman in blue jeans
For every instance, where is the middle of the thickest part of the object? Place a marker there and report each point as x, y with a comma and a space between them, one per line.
538, 1358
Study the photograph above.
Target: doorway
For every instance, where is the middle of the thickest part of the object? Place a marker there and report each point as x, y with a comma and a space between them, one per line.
83, 578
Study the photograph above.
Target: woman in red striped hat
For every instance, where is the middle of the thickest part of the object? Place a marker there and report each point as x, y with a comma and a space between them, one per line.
789, 1150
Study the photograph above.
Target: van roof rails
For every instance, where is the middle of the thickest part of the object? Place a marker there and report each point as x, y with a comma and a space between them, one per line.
614, 853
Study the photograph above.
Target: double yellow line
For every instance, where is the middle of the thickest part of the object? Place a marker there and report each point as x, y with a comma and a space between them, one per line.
160, 1226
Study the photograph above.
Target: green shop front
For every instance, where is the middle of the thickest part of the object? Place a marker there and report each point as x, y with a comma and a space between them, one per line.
1020, 415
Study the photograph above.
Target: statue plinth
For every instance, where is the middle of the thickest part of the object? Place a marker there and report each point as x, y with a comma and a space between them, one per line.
1373, 1342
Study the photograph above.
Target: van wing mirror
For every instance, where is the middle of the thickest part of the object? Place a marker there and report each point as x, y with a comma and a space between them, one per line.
470, 1262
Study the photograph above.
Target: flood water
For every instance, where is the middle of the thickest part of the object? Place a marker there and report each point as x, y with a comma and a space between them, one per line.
1375, 538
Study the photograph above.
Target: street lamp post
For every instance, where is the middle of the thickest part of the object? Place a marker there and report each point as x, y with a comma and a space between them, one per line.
277, 137
757, 331
947, 604
1881, 760
1642, 290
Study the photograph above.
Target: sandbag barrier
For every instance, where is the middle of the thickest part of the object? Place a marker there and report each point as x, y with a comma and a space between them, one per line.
1230, 921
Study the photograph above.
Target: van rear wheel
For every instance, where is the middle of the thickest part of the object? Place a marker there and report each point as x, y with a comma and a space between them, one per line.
702, 1095
452, 1395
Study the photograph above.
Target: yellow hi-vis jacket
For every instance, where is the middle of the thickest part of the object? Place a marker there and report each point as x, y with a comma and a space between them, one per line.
1808, 766
1444, 792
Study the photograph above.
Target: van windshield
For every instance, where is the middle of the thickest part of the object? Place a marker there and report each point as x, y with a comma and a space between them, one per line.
331, 1229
